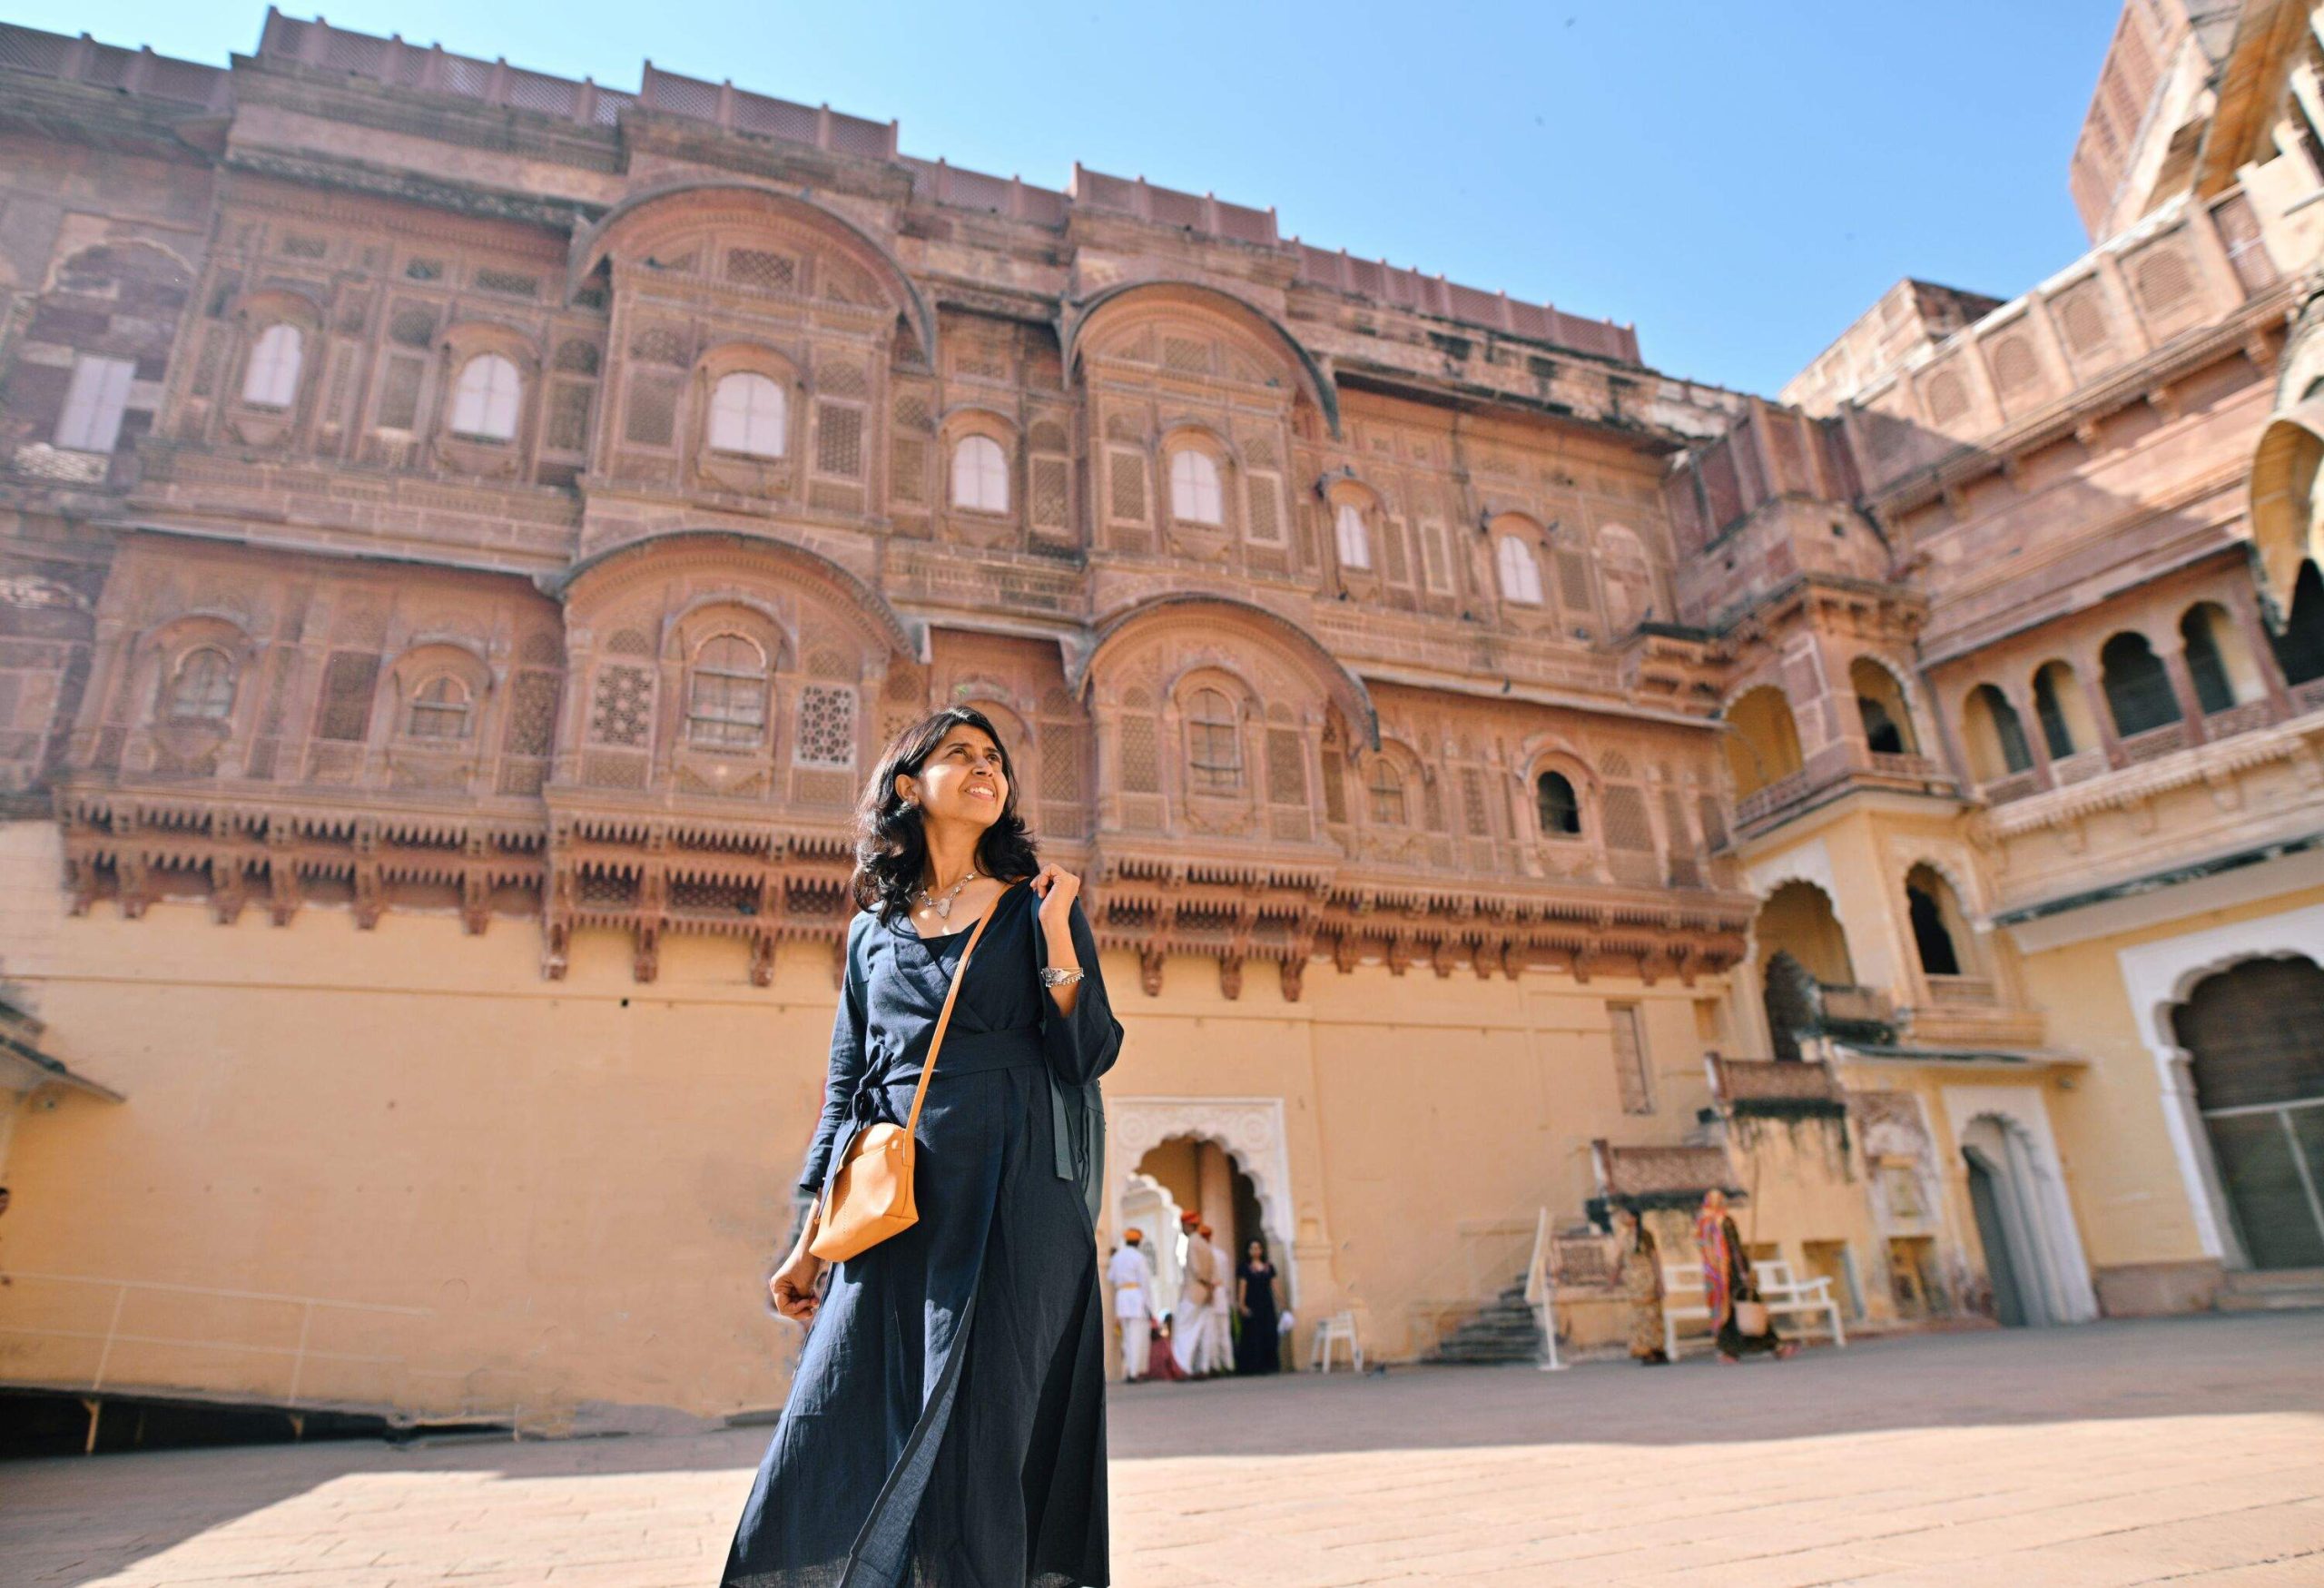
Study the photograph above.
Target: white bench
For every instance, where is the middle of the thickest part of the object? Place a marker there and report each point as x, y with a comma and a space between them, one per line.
1784, 1296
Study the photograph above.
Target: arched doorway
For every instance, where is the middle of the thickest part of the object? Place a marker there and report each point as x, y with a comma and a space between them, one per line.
2027, 1254
1189, 1174
2254, 1037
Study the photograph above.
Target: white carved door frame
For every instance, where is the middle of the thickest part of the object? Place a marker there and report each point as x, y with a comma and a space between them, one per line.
1249, 1128
2159, 976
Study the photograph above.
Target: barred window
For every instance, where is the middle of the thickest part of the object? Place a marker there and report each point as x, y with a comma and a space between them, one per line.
439, 709
748, 415
271, 379
1214, 746
1387, 791
980, 476
1520, 575
203, 688
1195, 494
1350, 539
826, 727
727, 696
484, 398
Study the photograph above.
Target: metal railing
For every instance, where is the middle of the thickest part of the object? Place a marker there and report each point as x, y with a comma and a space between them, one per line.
294, 1358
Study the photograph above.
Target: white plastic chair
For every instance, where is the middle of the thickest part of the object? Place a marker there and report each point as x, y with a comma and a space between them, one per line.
1340, 1326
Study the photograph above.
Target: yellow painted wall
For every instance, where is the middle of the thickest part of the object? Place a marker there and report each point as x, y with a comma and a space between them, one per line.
476, 1191
2123, 1174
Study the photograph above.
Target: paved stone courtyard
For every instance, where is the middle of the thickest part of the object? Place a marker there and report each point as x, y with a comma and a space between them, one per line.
2189, 1450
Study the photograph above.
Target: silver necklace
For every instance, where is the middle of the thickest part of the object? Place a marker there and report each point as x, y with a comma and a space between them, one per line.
943, 907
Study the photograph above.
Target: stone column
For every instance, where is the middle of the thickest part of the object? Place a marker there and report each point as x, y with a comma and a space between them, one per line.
2183, 686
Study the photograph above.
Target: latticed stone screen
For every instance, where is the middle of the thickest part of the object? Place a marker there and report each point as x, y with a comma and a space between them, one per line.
826, 727
839, 439
1473, 804
1141, 760
1266, 523
622, 707
763, 269
568, 417
400, 394
1126, 486
652, 419
1052, 501
532, 714
344, 713
1286, 768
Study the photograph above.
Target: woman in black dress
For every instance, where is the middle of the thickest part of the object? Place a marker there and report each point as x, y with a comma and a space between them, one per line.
1256, 1349
947, 1423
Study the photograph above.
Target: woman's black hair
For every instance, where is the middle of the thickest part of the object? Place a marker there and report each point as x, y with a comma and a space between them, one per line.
892, 844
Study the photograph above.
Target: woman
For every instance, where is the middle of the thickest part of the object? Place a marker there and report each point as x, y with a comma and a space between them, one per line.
1256, 1348
1728, 1280
947, 1423
1642, 1282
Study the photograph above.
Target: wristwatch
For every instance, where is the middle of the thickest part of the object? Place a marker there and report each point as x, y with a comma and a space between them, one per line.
1053, 977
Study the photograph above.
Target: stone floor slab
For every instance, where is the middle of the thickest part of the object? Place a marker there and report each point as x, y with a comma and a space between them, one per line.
2109, 1456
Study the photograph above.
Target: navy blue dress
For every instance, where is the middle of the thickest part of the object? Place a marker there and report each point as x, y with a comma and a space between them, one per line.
947, 1423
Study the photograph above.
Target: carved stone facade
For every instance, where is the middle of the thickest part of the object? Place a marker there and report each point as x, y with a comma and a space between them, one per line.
504, 516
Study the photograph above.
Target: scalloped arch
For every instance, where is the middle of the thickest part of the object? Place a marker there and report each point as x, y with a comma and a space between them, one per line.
591, 245
636, 561
1306, 370
1343, 686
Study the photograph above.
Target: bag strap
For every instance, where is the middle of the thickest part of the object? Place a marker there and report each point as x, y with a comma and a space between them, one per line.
944, 1018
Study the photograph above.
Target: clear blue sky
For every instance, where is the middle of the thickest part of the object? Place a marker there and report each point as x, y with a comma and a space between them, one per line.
1740, 180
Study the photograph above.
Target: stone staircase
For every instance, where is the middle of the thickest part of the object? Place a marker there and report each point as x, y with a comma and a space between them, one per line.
1502, 1330
2272, 1289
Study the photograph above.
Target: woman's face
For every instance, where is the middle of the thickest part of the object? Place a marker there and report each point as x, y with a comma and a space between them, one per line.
962, 779
1256, 1252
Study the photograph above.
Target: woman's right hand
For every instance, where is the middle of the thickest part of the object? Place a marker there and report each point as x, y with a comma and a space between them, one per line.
793, 1288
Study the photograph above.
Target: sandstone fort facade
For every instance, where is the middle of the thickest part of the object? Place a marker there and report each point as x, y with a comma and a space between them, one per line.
465, 533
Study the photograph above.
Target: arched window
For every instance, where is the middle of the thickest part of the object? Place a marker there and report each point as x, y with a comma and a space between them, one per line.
1351, 539
484, 398
727, 696
1520, 572
271, 380
2058, 703
2216, 662
1934, 918
1214, 742
748, 415
1762, 739
1195, 496
1996, 738
1387, 791
980, 476
1555, 803
2300, 649
438, 709
203, 688
1880, 704
2138, 690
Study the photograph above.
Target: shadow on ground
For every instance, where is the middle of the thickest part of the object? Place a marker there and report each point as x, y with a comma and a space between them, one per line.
84, 1519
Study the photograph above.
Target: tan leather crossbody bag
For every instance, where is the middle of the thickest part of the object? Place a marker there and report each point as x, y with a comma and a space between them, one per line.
870, 1196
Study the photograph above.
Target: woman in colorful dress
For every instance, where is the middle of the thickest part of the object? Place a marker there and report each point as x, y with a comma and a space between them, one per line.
1643, 1283
1727, 1281
947, 1422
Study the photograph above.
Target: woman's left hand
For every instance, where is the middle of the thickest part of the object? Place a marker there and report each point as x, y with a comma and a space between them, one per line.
1056, 888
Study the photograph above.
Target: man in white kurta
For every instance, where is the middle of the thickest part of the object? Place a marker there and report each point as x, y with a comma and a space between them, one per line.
1132, 1283
1222, 1301
1190, 1319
